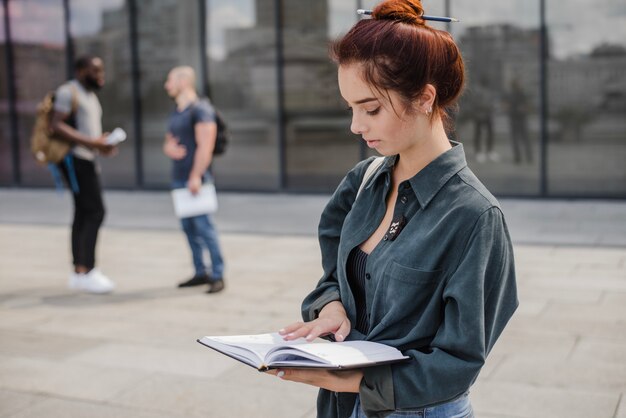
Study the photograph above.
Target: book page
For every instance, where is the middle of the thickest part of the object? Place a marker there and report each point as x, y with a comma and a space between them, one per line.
251, 347
265, 351
338, 354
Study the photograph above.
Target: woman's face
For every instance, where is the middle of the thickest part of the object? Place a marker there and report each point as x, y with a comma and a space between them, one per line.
387, 130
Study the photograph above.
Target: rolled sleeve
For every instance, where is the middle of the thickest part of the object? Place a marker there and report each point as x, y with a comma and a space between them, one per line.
376, 391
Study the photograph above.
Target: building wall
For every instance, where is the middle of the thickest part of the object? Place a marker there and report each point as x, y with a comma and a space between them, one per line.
289, 125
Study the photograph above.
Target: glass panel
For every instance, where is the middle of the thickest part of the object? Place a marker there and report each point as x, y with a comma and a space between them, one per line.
6, 163
39, 57
320, 147
242, 79
587, 100
101, 28
169, 33
498, 118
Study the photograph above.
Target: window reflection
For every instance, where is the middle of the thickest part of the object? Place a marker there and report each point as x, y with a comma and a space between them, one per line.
498, 114
6, 163
587, 100
39, 59
242, 79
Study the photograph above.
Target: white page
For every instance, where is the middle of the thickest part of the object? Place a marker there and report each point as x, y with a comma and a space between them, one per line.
259, 344
350, 353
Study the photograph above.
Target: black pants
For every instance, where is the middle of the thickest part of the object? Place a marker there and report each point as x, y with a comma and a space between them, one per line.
88, 211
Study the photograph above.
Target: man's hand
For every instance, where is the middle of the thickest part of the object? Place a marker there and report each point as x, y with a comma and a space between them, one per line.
332, 320
336, 381
103, 148
173, 149
194, 183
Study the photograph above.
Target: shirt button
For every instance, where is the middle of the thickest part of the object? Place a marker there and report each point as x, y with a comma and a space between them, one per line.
386, 237
368, 276
404, 199
407, 185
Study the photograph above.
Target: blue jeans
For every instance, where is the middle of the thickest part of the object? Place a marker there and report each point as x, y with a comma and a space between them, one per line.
457, 408
201, 234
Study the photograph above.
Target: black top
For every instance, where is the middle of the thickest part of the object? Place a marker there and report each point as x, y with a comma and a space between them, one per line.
355, 270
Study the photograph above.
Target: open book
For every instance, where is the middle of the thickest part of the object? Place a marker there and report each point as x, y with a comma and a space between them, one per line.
270, 351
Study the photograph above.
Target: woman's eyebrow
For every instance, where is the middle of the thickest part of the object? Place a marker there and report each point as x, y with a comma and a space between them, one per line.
367, 99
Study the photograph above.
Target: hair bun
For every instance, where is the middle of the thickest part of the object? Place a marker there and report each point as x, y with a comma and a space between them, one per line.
406, 11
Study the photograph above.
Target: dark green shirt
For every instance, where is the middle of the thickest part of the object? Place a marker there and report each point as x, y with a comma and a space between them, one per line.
441, 290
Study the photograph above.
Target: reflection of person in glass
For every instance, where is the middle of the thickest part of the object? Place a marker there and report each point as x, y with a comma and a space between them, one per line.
189, 142
481, 102
77, 118
421, 258
517, 105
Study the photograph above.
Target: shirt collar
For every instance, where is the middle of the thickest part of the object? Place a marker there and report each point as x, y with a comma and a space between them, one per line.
427, 183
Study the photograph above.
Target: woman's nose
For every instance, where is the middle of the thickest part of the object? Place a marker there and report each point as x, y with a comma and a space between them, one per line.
356, 126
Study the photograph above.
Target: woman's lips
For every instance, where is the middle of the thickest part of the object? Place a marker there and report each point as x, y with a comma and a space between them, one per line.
372, 143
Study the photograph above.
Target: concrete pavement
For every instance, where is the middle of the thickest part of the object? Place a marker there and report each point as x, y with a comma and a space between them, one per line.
133, 353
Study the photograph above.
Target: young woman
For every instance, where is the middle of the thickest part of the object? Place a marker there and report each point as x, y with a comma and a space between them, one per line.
420, 258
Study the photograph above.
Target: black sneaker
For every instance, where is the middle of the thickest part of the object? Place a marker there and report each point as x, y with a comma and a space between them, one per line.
216, 286
195, 281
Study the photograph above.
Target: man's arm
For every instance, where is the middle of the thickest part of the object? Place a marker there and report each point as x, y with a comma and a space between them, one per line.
60, 127
206, 133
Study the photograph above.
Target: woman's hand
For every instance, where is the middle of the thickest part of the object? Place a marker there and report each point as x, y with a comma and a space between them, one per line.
336, 381
332, 320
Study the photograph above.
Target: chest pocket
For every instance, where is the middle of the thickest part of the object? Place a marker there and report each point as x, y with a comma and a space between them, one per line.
409, 292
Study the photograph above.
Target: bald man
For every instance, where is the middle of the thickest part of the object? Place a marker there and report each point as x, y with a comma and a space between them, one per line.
189, 142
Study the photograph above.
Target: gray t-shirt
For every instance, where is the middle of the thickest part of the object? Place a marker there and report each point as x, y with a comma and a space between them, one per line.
88, 116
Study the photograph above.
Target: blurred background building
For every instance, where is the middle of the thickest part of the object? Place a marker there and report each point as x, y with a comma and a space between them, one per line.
546, 79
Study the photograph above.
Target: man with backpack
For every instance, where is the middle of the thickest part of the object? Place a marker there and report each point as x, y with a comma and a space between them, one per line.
190, 142
77, 118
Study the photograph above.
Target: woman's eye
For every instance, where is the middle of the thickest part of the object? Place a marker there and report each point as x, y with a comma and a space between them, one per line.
373, 112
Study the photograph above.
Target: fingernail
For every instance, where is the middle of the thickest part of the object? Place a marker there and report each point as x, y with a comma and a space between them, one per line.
339, 337
280, 373
309, 337
281, 331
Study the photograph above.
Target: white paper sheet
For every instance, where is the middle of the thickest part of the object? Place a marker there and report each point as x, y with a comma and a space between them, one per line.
187, 205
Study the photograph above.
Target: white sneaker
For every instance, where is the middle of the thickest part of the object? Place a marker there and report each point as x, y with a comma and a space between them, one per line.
92, 282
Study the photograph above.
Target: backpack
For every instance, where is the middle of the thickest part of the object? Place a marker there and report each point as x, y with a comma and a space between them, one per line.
44, 145
223, 134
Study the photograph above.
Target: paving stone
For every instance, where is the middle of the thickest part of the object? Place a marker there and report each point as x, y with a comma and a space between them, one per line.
133, 353
12, 402
582, 374
68, 408
503, 399
64, 379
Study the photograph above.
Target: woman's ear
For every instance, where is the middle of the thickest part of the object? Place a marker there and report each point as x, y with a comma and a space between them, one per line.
426, 99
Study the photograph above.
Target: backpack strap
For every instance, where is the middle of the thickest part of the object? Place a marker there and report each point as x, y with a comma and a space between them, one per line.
74, 99
371, 169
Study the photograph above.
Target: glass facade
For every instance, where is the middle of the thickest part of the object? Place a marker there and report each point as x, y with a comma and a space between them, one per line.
6, 166
543, 113
498, 117
242, 81
587, 100
36, 44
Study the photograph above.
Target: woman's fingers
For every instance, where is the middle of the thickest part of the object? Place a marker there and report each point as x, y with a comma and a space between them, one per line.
343, 331
294, 331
